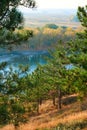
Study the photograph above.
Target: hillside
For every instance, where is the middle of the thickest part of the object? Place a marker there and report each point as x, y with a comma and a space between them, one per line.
50, 118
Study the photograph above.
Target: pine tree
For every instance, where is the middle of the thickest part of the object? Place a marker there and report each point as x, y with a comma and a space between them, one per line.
56, 72
10, 17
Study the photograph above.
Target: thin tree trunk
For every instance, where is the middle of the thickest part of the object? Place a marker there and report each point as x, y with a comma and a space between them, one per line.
40, 101
37, 107
54, 100
59, 99
16, 127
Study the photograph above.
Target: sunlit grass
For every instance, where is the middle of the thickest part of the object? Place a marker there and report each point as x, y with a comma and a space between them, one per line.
71, 116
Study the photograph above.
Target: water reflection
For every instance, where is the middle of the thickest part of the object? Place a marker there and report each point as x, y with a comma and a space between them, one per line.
31, 58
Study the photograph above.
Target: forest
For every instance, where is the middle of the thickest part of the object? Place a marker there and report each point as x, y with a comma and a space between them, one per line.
43, 38
57, 89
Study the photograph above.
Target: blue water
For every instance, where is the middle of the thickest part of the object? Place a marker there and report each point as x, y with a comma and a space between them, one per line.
15, 58
30, 58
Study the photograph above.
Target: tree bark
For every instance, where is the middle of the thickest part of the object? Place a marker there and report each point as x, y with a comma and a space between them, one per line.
38, 107
59, 99
40, 101
54, 100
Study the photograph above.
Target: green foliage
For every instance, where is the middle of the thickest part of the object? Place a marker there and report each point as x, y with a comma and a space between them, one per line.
64, 27
45, 38
16, 113
82, 15
52, 26
78, 58
56, 72
39, 90
72, 126
18, 36
21, 92
12, 96
4, 114
10, 17
2, 65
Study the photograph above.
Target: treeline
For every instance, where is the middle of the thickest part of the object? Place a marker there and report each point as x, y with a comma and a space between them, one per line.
37, 38
8, 37
49, 35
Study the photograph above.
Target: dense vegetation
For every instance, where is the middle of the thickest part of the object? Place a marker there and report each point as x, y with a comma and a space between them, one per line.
10, 17
65, 73
38, 38
47, 37
13, 38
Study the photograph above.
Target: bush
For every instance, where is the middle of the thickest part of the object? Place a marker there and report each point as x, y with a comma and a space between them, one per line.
73, 126
4, 114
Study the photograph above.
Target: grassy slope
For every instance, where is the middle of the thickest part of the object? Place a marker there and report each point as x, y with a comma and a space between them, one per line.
72, 114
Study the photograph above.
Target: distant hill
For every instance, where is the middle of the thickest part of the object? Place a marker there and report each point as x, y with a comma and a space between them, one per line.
40, 17
52, 26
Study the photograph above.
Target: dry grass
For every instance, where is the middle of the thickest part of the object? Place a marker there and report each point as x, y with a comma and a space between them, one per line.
50, 117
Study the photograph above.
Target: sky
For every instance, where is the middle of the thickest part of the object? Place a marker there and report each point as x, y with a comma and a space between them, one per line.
65, 4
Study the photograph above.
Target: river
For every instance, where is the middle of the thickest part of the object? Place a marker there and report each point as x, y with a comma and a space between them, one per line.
15, 58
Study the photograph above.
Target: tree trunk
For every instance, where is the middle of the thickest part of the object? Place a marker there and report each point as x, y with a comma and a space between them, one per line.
54, 100
40, 101
38, 107
16, 127
59, 99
